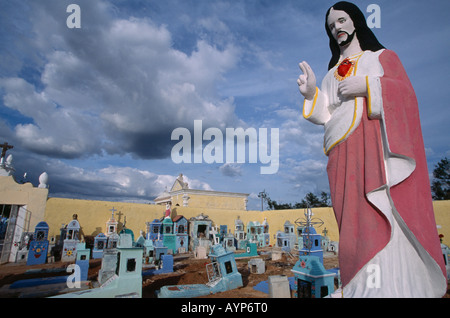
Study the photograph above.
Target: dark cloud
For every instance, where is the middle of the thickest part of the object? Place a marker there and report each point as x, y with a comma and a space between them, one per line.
231, 170
115, 84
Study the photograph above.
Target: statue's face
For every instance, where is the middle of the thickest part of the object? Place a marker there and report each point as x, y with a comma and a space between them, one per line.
341, 26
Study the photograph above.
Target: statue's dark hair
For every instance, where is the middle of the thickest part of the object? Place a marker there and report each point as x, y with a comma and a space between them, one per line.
366, 38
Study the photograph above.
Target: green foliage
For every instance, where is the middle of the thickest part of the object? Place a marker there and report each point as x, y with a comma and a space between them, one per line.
309, 201
440, 186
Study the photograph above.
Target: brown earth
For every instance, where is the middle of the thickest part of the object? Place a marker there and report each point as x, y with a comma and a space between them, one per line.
187, 270
192, 271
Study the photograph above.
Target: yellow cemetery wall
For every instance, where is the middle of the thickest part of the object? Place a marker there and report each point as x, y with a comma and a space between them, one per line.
33, 198
210, 201
442, 215
94, 214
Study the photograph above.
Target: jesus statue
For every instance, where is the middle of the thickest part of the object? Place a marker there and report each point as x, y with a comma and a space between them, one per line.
377, 170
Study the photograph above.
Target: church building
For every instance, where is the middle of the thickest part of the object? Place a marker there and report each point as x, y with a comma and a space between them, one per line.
181, 195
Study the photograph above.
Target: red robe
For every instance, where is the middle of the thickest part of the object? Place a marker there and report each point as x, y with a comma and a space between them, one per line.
356, 167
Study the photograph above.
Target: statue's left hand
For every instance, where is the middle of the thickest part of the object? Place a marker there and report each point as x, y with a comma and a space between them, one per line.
354, 86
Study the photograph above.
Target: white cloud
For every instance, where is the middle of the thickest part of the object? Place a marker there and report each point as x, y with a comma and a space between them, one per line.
307, 175
56, 131
108, 183
196, 184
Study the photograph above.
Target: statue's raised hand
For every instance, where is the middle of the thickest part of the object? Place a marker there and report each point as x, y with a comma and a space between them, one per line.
307, 81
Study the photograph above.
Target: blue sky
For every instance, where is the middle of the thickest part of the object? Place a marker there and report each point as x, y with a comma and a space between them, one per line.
95, 107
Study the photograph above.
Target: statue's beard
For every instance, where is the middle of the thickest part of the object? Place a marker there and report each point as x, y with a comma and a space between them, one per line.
349, 39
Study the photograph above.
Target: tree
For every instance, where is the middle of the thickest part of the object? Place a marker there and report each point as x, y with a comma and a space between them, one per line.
440, 186
325, 199
310, 201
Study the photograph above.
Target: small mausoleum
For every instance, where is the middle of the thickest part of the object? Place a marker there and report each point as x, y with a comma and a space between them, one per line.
229, 242
312, 280
82, 260
37, 253
72, 238
311, 239
312, 243
113, 241
126, 234
255, 233
100, 242
154, 230
223, 231
169, 238
120, 275
199, 227
148, 251
239, 234
180, 227
222, 276
286, 238
111, 224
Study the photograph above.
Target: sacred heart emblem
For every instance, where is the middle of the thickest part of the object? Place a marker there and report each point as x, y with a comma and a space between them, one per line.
344, 67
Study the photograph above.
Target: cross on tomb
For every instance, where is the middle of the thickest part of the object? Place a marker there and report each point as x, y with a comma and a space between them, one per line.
112, 212
5, 147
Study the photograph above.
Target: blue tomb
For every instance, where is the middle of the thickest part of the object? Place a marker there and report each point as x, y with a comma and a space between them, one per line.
311, 243
37, 253
223, 231
140, 241
72, 238
300, 230
169, 238
159, 251
129, 233
172, 232
154, 232
312, 280
100, 242
149, 251
239, 234
254, 232
222, 276
82, 260
200, 232
310, 238
113, 241
286, 240
251, 250
164, 267
229, 242
180, 228
119, 277
258, 233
